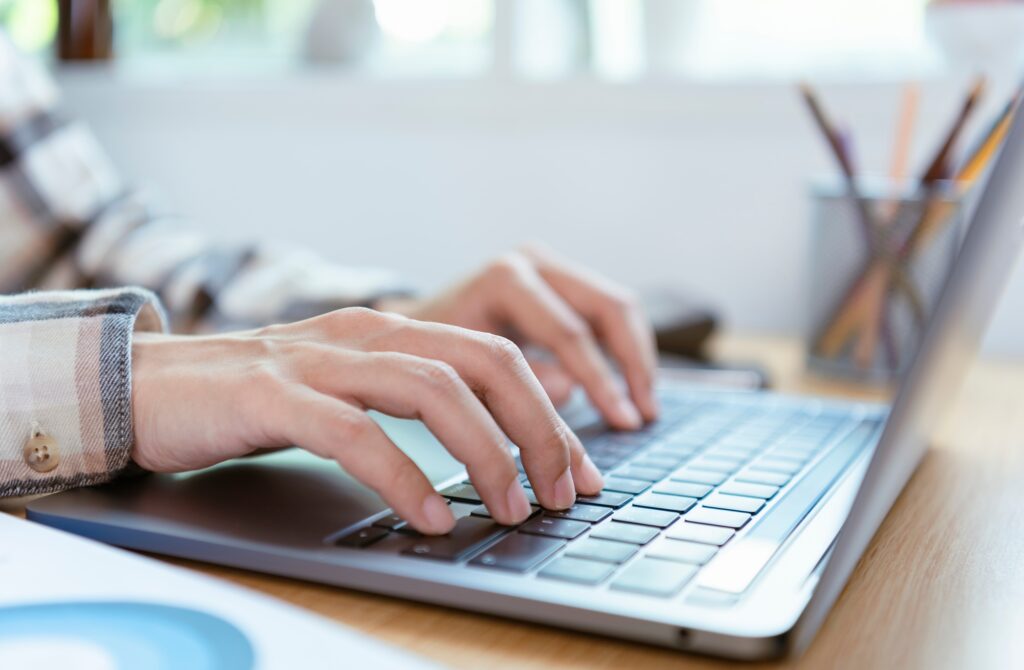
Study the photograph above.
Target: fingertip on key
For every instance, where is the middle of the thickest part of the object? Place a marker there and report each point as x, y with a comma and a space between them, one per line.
438, 516
564, 493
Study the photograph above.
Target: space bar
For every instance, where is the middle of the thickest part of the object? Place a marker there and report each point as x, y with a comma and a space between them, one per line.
736, 567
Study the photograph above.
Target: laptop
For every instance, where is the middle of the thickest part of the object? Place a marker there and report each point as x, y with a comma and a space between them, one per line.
729, 527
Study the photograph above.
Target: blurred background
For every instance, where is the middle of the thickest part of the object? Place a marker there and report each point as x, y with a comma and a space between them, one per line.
660, 141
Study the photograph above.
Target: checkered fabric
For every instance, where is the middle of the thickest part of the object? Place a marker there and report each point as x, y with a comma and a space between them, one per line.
70, 225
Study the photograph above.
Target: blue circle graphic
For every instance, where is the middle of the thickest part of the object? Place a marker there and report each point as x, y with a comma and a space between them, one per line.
135, 635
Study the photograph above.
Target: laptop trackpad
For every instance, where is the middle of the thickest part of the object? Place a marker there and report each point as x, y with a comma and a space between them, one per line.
285, 498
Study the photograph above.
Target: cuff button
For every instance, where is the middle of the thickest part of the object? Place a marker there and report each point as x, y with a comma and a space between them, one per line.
41, 452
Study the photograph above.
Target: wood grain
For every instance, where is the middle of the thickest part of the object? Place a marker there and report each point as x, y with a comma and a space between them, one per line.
941, 586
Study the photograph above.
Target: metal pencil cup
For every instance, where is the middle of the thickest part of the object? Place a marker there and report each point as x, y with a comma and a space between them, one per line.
871, 295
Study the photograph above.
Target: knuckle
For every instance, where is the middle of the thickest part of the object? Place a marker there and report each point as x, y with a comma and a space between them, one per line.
438, 376
621, 301
506, 268
351, 426
573, 332
504, 351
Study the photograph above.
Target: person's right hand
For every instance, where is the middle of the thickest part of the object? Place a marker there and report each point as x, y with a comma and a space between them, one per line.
198, 401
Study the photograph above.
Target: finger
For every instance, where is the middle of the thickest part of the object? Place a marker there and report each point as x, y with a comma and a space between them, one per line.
616, 317
332, 429
557, 383
408, 386
532, 307
496, 370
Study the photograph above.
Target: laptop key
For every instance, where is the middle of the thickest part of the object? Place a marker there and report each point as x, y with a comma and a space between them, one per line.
625, 532
717, 464
646, 517
688, 489
682, 551
363, 537
661, 501
734, 503
580, 512
563, 528
481, 510
602, 550
470, 533
622, 485
645, 474
783, 465
391, 522
462, 493
655, 577
578, 570
698, 532
606, 499
755, 476
763, 491
518, 552
718, 517
688, 474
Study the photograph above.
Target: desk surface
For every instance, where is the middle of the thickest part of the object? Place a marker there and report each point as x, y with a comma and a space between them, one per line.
942, 584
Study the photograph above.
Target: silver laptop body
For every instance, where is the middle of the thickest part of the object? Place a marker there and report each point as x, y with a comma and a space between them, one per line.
700, 576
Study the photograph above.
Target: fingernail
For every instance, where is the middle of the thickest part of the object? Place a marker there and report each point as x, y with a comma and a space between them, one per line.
590, 479
628, 412
518, 505
439, 517
565, 491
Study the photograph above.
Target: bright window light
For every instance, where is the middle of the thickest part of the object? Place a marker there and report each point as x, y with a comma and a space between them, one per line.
412, 20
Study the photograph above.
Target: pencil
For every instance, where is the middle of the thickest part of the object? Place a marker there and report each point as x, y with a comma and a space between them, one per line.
877, 291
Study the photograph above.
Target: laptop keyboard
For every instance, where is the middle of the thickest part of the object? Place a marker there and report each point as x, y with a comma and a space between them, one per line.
676, 493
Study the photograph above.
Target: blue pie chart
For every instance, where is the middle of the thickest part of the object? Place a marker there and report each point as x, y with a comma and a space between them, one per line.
132, 634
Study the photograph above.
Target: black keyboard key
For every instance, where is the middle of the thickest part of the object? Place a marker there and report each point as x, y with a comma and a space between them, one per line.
718, 517
602, 550
698, 532
391, 522
481, 510
646, 474
462, 493
646, 517
762, 491
682, 551
470, 533
688, 489
622, 485
362, 537
577, 570
606, 499
688, 474
563, 528
655, 577
734, 503
518, 552
625, 532
678, 504
755, 476
580, 512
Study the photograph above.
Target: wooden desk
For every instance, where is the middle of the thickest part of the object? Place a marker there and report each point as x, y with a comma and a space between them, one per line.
942, 584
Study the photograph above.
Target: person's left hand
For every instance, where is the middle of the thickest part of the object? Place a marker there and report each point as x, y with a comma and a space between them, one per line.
535, 298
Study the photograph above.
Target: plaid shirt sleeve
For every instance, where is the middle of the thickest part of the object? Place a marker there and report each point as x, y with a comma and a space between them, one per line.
65, 386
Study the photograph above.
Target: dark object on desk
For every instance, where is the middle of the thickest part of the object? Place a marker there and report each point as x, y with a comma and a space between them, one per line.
682, 325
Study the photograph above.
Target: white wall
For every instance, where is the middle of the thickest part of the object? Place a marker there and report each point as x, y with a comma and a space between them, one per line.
697, 185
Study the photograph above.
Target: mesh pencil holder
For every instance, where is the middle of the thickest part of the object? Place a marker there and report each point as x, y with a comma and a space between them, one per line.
873, 287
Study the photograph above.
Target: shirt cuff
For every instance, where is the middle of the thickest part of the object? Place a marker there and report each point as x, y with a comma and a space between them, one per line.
65, 386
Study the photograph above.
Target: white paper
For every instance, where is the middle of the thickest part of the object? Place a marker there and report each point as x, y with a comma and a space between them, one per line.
44, 567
